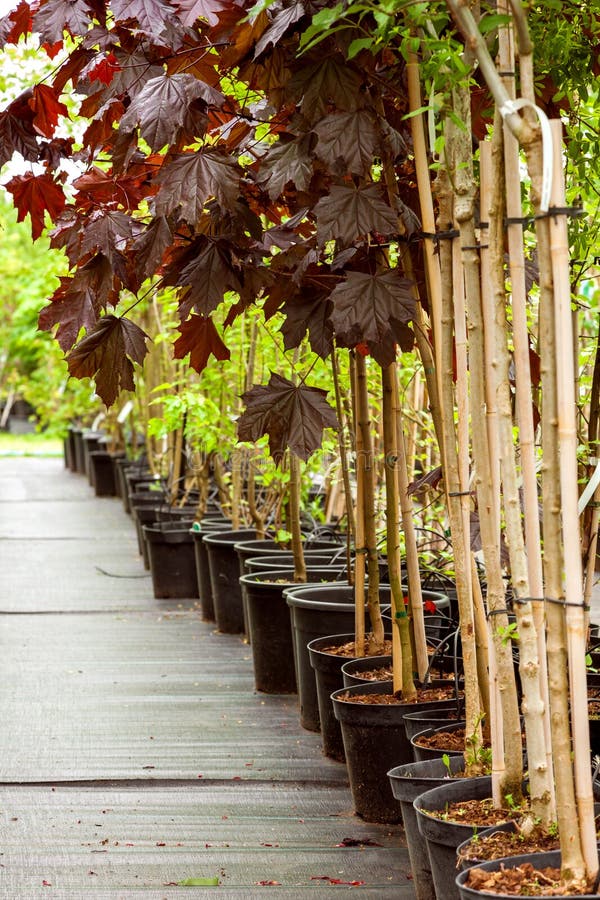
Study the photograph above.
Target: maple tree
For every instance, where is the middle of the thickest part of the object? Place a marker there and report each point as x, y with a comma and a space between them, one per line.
219, 162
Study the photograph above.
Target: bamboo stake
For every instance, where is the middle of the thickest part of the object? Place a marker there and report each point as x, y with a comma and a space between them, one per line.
566, 804
491, 160
523, 387
491, 411
462, 400
294, 488
342, 447
432, 265
360, 560
567, 435
482, 643
415, 594
366, 463
452, 481
464, 211
402, 663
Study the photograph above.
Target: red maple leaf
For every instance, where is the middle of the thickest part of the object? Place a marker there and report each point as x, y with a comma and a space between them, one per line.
36, 194
105, 354
22, 22
105, 69
199, 338
47, 108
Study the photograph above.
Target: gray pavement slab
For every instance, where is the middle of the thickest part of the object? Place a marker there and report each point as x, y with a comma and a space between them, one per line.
134, 751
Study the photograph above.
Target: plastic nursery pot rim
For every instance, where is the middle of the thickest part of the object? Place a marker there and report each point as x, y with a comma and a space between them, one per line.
267, 578
225, 537
294, 594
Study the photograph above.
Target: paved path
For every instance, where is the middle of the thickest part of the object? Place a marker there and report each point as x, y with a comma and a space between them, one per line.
134, 751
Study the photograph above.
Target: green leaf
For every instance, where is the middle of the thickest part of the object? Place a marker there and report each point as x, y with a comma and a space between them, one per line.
200, 882
359, 44
490, 22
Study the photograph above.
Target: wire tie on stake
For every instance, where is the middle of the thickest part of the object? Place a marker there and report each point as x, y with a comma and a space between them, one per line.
574, 212
361, 550
474, 246
498, 612
508, 108
559, 602
518, 220
401, 615
459, 493
522, 601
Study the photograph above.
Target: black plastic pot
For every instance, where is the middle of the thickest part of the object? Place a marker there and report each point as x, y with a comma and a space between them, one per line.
352, 669
69, 449
407, 783
329, 678
199, 530
78, 455
374, 742
443, 714
91, 440
422, 753
316, 612
224, 570
285, 560
102, 473
144, 515
594, 732
123, 465
270, 630
443, 837
537, 860
172, 563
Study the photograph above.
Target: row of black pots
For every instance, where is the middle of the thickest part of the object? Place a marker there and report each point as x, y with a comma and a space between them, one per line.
436, 845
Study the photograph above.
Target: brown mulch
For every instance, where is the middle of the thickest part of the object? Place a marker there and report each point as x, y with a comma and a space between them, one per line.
425, 694
510, 843
524, 880
444, 740
479, 813
349, 649
383, 674
594, 709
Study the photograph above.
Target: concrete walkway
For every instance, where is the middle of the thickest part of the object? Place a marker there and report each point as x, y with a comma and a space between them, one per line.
134, 751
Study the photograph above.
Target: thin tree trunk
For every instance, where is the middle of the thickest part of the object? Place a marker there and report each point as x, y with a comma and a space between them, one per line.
567, 436
294, 488
342, 448
464, 211
367, 463
523, 389
460, 540
402, 667
360, 551
415, 593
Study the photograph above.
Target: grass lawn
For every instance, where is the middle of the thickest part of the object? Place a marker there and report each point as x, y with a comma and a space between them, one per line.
29, 445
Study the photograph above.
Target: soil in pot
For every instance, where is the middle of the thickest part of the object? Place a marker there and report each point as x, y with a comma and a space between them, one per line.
504, 840
527, 876
435, 742
374, 741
